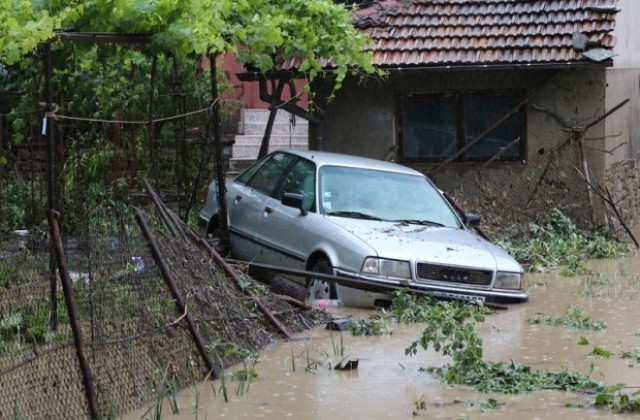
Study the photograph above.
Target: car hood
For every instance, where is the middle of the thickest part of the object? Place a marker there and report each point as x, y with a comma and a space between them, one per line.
438, 245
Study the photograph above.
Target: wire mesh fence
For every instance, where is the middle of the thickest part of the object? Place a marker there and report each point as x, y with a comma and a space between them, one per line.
134, 329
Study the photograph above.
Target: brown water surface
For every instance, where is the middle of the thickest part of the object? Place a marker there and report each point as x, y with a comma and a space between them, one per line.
387, 383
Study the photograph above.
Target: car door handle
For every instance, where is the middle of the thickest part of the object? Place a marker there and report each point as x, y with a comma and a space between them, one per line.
238, 198
268, 210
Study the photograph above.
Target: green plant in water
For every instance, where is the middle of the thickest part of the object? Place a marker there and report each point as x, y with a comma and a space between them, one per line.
407, 308
572, 318
450, 331
248, 359
377, 324
616, 400
600, 352
420, 405
631, 354
338, 348
560, 242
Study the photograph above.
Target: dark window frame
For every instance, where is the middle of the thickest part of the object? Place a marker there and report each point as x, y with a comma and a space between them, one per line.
461, 100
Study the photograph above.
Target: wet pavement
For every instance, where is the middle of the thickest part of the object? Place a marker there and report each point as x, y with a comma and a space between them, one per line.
295, 380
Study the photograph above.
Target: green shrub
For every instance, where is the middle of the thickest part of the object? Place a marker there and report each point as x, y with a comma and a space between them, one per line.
560, 242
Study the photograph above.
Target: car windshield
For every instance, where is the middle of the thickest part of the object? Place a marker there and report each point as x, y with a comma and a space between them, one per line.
380, 195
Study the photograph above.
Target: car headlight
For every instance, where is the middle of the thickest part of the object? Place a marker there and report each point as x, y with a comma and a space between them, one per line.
505, 280
387, 268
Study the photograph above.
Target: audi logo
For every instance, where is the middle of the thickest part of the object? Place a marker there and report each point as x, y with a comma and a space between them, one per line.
460, 276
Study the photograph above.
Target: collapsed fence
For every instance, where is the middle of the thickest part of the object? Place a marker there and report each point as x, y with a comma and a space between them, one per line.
154, 311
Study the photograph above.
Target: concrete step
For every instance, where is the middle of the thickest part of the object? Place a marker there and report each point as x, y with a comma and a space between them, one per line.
251, 152
256, 140
251, 115
284, 135
281, 129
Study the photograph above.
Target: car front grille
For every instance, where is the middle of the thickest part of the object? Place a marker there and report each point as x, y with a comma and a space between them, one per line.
453, 274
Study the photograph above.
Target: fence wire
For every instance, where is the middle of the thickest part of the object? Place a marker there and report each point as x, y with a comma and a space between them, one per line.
138, 343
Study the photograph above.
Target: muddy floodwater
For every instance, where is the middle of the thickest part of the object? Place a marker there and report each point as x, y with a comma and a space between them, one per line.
295, 380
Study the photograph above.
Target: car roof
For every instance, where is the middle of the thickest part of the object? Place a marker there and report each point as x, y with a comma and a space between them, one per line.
339, 159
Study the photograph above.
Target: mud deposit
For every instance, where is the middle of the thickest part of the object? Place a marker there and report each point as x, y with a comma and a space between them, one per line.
295, 380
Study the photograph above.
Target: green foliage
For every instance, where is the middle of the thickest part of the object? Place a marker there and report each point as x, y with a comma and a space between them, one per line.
377, 324
21, 205
10, 326
560, 242
572, 318
583, 341
260, 32
24, 25
450, 331
112, 82
601, 352
618, 401
407, 307
631, 354
249, 360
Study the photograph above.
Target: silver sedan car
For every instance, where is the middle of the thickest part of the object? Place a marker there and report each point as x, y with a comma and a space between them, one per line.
365, 219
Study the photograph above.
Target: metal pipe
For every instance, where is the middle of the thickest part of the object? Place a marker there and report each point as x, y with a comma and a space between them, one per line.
225, 241
47, 134
83, 359
175, 292
360, 283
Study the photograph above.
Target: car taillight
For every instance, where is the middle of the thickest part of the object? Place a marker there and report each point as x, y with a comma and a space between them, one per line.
205, 195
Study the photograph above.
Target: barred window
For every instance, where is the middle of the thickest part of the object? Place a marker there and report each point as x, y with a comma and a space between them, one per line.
437, 126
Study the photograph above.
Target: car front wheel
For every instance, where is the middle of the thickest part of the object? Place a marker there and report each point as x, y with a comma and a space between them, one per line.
317, 288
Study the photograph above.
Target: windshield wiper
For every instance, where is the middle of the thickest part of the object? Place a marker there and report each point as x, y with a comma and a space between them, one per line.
419, 222
354, 214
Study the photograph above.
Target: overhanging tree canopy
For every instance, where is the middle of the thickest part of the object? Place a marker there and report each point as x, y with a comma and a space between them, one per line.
261, 33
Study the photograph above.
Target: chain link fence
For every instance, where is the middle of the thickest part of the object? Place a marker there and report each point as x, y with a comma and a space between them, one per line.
134, 329
511, 196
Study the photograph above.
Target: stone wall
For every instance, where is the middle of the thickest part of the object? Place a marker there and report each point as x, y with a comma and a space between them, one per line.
622, 183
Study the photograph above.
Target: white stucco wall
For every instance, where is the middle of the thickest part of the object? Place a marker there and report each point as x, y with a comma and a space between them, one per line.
626, 33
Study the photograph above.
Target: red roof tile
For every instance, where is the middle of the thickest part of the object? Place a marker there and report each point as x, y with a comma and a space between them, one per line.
485, 32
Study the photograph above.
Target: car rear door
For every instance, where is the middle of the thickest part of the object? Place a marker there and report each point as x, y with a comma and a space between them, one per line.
247, 200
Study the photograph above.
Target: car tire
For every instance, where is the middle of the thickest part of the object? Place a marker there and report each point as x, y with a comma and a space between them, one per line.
318, 289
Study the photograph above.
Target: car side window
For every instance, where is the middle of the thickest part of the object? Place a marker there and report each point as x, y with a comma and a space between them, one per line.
269, 174
246, 176
301, 179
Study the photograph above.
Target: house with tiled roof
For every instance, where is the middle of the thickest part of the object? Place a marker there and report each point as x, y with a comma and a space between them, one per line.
514, 107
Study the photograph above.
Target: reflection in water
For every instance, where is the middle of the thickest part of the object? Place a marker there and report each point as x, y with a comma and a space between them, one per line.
387, 383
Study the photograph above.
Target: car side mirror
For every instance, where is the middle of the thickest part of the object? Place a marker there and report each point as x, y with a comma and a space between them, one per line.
471, 220
295, 201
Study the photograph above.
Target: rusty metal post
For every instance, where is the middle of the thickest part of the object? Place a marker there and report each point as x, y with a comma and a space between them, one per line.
225, 240
153, 146
83, 359
47, 135
175, 292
